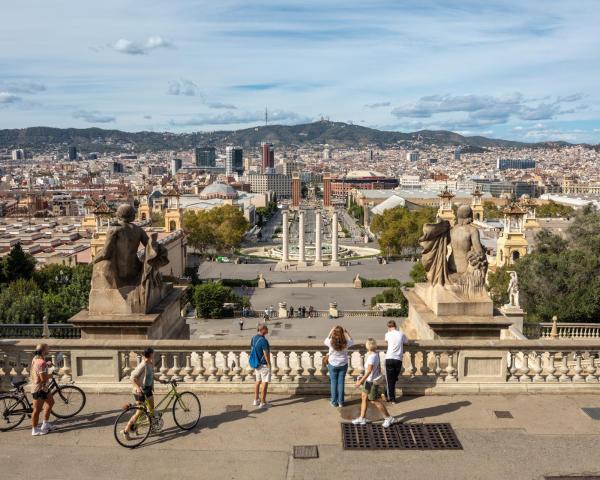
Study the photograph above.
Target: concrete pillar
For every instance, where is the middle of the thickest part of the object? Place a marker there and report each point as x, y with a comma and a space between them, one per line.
301, 252
334, 240
318, 258
286, 240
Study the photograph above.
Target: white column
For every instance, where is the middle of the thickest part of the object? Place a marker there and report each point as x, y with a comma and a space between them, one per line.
318, 259
334, 240
301, 253
286, 247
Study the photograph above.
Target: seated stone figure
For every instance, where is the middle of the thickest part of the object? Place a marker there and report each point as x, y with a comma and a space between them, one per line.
121, 282
454, 255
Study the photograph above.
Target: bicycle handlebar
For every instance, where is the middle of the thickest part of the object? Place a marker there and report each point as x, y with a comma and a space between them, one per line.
169, 382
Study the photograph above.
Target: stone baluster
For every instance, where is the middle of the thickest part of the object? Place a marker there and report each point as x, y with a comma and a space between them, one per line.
126, 370
525, 369
237, 367
324, 370
438, 364
299, 370
200, 369
250, 376
3, 369
564, 368
187, 370
512, 367
226, 377
537, 368
286, 367
591, 369
413, 364
597, 372
212, 367
13, 368
450, 369
67, 375
311, 367
551, 368
578, 369
424, 367
163, 370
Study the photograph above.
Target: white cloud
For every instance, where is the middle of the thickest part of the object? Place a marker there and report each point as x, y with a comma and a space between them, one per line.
23, 87
130, 47
7, 97
93, 116
241, 118
182, 87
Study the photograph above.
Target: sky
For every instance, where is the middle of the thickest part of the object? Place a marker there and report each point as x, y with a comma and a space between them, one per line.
524, 70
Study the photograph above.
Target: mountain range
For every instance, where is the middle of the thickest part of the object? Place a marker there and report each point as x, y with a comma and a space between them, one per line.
335, 134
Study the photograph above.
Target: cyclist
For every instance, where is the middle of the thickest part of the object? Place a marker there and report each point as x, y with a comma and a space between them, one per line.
143, 387
40, 391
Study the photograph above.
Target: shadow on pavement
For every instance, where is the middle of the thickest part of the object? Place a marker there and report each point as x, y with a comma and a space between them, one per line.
433, 411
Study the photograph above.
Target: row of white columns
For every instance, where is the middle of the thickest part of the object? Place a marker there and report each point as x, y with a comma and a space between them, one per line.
301, 240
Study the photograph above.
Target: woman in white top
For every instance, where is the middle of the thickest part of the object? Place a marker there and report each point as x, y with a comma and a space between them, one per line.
338, 341
369, 386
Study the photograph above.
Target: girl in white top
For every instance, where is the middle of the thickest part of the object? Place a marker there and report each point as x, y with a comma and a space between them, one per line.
370, 390
338, 341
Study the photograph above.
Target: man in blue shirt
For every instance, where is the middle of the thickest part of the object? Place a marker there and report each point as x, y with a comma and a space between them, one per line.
263, 372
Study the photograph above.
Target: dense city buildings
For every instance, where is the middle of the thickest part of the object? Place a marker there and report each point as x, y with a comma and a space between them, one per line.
234, 160
514, 163
268, 156
205, 156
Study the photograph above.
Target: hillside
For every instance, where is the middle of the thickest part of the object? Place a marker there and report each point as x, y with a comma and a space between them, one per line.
336, 134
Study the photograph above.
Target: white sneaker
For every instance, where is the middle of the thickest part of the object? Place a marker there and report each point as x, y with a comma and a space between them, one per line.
265, 405
359, 421
38, 431
388, 422
48, 427
256, 403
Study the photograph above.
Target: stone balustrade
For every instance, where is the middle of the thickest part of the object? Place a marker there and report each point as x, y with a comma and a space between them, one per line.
575, 331
429, 367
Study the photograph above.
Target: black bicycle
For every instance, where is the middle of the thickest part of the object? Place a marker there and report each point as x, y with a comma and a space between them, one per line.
69, 400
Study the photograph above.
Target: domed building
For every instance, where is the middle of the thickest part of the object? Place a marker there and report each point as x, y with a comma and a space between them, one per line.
219, 190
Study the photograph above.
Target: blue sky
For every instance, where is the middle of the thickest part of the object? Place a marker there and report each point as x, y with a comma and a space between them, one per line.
525, 70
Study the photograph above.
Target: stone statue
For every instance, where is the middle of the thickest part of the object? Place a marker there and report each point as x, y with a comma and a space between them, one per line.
513, 291
121, 282
454, 255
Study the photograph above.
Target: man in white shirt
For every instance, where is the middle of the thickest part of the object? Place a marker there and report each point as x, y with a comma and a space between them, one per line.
396, 340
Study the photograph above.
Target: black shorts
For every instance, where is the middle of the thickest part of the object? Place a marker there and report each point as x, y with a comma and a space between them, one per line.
146, 393
41, 395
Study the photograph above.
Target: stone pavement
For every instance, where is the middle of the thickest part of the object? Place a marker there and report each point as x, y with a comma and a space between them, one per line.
548, 435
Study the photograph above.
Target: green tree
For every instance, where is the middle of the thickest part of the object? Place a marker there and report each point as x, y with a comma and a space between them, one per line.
553, 210
157, 219
392, 295
399, 229
18, 264
220, 228
417, 273
21, 302
491, 210
208, 299
498, 285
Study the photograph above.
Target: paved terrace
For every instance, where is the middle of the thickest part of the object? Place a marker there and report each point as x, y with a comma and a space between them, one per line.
549, 435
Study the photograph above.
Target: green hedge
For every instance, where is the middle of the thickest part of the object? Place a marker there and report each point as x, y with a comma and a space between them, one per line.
396, 312
239, 282
380, 282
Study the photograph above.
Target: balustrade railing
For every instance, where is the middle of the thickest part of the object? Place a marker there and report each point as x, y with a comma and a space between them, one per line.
428, 366
564, 330
36, 330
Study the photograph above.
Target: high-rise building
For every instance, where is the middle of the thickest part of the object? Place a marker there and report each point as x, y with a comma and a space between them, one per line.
412, 156
117, 167
514, 163
72, 152
326, 189
268, 156
18, 154
234, 160
296, 189
457, 151
176, 164
205, 156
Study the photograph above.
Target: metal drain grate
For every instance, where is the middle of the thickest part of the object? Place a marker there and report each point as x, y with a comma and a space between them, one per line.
233, 408
306, 451
503, 414
400, 436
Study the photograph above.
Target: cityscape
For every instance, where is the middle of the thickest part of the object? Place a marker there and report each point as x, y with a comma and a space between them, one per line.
300, 240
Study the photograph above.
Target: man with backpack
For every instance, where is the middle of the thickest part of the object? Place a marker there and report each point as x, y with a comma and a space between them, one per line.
260, 361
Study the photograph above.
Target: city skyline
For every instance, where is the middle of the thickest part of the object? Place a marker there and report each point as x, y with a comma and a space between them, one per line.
511, 70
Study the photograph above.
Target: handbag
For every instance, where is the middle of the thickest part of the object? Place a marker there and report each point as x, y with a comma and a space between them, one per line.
325, 360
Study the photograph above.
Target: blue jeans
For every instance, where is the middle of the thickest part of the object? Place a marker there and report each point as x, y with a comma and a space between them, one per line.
337, 377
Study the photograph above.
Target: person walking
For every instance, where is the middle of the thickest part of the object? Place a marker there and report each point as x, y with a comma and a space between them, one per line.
142, 378
369, 385
395, 340
338, 341
260, 361
241, 322
42, 398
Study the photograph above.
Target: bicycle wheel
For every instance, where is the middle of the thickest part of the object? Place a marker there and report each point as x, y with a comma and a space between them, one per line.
186, 410
12, 412
68, 401
138, 432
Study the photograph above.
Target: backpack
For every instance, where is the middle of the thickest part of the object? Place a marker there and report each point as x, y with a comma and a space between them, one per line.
254, 358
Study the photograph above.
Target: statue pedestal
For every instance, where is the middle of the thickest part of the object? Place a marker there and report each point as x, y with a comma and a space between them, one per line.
515, 314
445, 312
163, 322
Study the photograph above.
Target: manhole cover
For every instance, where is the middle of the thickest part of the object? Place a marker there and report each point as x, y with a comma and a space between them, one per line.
306, 451
593, 413
400, 436
503, 414
233, 408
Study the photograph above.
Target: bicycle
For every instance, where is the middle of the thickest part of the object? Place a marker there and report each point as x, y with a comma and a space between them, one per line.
69, 400
186, 410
